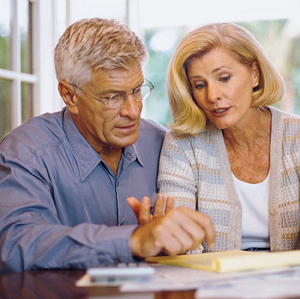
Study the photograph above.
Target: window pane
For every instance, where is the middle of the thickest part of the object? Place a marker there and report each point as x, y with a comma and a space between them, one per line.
5, 32
280, 39
27, 96
161, 43
25, 21
100, 8
5, 87
61, 11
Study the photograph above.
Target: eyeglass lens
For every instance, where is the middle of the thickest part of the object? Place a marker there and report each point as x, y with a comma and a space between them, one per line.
138, 94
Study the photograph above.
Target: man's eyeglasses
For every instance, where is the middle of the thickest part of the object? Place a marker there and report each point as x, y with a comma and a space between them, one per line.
116, 101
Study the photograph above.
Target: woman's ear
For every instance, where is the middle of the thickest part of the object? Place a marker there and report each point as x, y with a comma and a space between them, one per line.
67, 93
255, 73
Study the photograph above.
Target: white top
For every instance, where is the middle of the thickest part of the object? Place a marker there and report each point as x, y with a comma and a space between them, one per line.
254, 200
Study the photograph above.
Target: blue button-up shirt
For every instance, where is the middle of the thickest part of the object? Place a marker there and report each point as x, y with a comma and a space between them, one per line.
61, 206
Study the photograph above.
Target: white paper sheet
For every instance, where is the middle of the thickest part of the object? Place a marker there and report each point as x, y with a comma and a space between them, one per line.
170, 278
281, 284
267, 283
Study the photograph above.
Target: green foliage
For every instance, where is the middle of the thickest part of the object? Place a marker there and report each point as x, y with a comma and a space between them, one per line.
4, 87
157, 105
4, 51
284, 50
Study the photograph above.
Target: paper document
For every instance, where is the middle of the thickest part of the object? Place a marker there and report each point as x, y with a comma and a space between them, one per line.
211, 284
231, 261
284, 283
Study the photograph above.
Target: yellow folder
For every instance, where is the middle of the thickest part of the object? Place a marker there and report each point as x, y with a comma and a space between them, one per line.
231, 261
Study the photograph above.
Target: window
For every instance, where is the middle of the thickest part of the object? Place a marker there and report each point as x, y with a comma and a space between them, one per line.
16, 64
28, 33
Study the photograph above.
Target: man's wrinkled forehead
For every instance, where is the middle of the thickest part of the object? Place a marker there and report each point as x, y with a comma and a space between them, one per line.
110, 79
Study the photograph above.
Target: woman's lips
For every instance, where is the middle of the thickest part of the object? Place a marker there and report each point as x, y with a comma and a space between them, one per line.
220, 111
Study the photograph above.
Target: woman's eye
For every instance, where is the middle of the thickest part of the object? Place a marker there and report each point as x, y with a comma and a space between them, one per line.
200, 85
225, 79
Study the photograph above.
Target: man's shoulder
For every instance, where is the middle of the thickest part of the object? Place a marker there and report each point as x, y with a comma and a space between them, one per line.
151, 134
147, 125
36, 133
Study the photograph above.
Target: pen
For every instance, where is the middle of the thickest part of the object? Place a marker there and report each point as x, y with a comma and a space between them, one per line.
152, 201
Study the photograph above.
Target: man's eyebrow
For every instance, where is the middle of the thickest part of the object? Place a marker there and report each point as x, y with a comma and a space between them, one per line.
115, 91
108, 91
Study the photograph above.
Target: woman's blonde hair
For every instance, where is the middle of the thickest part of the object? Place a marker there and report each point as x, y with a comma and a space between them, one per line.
187, 116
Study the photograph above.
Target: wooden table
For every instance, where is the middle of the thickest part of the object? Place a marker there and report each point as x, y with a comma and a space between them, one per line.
60, 284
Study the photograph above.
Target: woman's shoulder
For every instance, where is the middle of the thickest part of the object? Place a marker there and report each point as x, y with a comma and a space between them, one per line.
184, 141
284, 115
287, 122
185, 137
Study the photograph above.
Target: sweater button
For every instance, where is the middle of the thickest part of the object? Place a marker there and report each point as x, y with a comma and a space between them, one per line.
273, 211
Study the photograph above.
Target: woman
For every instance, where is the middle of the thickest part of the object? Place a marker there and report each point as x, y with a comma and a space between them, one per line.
229, 154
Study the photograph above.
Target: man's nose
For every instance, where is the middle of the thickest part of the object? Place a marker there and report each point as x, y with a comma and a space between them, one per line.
131, 107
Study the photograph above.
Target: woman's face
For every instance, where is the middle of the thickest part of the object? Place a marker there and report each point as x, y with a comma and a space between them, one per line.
223, 87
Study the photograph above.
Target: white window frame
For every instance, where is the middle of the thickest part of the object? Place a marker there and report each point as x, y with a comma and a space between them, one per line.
14, 74
45, 94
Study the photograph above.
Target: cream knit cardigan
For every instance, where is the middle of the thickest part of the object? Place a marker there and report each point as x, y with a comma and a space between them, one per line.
196, 171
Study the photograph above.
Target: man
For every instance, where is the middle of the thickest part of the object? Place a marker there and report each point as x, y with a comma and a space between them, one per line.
65, 177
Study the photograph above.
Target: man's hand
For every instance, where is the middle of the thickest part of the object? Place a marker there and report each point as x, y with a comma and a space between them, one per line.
176, 232
142, 209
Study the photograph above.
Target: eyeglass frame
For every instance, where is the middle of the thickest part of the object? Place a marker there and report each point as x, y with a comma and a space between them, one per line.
106, 101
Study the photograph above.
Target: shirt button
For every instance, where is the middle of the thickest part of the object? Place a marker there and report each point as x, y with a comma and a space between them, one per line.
117, 184
273, 211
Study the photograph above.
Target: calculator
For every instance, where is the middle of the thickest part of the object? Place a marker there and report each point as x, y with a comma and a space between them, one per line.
117, 274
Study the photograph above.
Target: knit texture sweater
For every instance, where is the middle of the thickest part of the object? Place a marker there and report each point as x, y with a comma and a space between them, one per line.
195, 169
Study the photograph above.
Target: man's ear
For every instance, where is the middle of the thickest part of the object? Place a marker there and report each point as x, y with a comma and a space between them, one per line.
68, 95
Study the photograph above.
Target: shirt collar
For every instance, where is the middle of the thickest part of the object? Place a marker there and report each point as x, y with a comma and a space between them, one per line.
86, 157
131, 154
